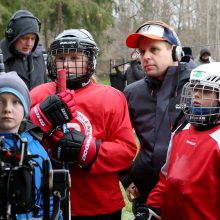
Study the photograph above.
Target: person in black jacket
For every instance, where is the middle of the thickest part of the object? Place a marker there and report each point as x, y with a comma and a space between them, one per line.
19, 48
204, 57
154, 102
134, 72
188, 57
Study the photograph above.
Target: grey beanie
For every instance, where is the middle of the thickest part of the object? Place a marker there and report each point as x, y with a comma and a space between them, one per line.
10, 82
21, 23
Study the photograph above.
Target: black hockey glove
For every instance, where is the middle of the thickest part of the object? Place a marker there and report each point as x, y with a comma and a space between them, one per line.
55, 110
76, 146
142, 211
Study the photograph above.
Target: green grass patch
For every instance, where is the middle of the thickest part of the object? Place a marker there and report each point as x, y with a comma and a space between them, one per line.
105, 82
127, 210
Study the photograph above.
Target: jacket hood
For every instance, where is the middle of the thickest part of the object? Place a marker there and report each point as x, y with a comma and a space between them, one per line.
203, 51
21, 23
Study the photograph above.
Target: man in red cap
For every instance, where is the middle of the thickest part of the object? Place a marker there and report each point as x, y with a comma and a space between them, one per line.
154, 102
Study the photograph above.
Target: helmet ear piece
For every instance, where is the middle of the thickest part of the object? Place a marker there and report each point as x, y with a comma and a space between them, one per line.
94, 62
177, 53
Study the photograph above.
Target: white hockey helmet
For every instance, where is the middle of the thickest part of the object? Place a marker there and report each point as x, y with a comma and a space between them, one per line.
205, 78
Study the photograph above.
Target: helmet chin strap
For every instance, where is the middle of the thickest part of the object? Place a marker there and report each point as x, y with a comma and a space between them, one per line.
204, 110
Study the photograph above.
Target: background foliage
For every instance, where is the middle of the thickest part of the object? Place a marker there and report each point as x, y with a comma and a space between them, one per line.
110, 21
57, 15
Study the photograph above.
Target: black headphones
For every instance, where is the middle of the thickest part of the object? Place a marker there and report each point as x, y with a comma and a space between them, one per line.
177, 51
9, 33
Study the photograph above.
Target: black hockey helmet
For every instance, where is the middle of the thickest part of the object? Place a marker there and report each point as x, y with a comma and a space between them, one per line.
73, 41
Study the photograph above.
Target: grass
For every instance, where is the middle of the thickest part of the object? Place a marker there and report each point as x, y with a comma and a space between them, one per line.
127, 211
104, 81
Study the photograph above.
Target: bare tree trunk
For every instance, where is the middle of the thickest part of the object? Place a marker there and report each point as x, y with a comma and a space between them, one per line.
217, 30
207, 22
59, 17
46, 33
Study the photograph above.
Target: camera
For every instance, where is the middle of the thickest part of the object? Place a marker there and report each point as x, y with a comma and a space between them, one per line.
18, 192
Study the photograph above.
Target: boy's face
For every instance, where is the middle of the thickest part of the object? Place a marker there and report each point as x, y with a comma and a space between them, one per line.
11, 113
155, 57
76, 63
204, 96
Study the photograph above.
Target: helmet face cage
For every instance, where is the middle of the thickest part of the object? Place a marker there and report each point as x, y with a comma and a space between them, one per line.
75, 51
83, 58
197, 112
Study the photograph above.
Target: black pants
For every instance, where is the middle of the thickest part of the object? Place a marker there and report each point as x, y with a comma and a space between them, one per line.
113, 216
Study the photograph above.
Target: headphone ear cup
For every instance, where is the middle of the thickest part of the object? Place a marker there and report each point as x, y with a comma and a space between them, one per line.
9, 33
177, 53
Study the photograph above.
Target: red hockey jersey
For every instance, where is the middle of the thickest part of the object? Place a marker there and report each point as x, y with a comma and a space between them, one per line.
102, 112
189, 187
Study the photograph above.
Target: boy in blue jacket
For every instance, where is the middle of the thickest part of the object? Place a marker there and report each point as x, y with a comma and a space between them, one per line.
14, 127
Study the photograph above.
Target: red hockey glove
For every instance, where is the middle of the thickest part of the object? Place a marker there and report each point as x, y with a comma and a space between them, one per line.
76, 146
55, 110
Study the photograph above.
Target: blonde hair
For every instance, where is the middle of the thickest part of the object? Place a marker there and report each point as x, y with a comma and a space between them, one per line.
93, 79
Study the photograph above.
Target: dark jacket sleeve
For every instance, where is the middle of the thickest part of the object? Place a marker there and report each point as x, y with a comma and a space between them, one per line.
125, 177
137, 70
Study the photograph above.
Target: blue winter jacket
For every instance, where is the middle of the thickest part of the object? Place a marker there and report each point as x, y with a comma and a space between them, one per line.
33, 147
